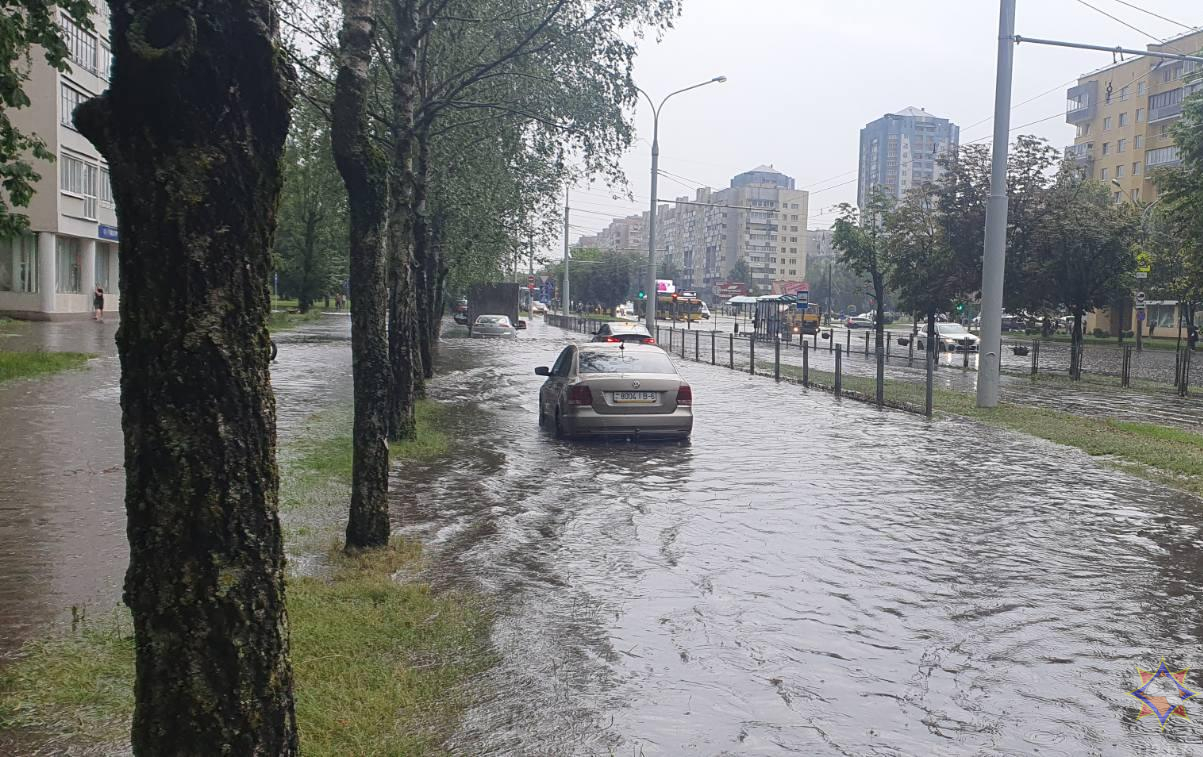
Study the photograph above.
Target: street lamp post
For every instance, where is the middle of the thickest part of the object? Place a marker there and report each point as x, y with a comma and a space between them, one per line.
650, 310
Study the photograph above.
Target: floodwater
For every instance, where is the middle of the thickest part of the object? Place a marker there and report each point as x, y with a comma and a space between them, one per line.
808, 576
62, 483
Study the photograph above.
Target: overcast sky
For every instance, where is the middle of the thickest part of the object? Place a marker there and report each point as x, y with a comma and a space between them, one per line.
805, 75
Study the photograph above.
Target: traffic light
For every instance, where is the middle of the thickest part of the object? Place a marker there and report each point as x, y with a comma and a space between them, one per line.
960, 307
674, 296
642, 295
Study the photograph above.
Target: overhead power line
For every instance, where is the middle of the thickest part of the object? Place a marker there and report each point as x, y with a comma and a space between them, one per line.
1119, 20
1155, 15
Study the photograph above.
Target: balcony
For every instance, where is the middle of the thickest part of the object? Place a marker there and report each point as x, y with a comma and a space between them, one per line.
1162, 157
1080, 155
1081, 102
1166, 105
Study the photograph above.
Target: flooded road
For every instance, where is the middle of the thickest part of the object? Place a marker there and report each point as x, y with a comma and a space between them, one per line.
62, 484
807, 577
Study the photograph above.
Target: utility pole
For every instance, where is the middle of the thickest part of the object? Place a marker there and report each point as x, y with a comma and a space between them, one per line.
565, 302
994, 257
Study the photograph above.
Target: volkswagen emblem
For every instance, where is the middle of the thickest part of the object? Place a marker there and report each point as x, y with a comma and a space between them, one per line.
635, 384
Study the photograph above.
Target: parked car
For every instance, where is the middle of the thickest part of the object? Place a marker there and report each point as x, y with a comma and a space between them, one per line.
615, 390
952, 337
858, 322
623, 331
493, 325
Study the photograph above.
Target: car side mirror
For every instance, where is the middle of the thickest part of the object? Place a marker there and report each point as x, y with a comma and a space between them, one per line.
543, 370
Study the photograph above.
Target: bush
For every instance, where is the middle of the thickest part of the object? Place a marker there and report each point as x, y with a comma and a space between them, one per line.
1098, 334
1129, 335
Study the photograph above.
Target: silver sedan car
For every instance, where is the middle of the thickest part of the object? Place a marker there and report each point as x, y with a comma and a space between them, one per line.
493, 325
615, 390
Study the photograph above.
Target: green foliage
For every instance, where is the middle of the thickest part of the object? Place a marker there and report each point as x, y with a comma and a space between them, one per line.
600, 278
863, 241
1176, 239
23, 24
741, 273
311, 237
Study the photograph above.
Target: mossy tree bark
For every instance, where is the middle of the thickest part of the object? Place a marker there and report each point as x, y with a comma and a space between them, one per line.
364, 168
193, 127
402, 301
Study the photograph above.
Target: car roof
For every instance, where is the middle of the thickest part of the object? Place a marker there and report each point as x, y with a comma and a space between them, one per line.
623, 326
616, 347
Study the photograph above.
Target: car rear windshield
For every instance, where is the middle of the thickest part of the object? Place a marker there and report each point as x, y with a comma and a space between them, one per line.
493, 319
625, 361
627, 328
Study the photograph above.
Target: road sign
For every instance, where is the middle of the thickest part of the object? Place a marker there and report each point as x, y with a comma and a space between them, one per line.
1142, 274
1143, 263
1140, 299
803, 305
530, 281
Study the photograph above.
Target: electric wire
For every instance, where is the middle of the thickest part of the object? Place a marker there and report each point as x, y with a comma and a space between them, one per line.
1154, 15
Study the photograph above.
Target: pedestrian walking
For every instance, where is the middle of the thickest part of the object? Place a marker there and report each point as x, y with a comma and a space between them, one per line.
98, 305
1192, 337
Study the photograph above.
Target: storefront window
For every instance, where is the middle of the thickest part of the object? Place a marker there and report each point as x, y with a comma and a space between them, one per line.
68, 268
19, 264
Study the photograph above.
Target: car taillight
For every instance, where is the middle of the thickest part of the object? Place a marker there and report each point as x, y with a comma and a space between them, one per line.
613, 339
579, 394
684, 395
648, 340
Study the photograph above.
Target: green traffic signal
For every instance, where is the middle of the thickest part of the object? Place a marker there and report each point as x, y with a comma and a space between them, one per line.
960, 307
642, 296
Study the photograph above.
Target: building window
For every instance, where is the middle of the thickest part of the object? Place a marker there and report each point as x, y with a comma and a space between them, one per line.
79, 179
19, 264
1161, 156
106, 61
1084, 130
68, 276
1140, 87
1123, 120
1121, 145
1107, 123
1123, 96
1106, 148
80, 44
1136, 168
1119, 171
1103, 176
1140, 115
106, 189
102, 268
69, 99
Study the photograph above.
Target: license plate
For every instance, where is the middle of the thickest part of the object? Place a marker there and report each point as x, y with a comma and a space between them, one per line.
643, 398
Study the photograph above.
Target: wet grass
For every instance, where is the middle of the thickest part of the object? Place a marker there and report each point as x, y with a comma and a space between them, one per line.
1164, 454
381, 659
284, 320
16, 365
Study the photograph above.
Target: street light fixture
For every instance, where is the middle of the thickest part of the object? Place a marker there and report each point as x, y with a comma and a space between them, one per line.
650, 307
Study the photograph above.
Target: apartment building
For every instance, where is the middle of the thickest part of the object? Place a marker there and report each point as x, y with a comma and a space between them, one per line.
901, 150
1123, 114
72, 244
759, 219
624, 234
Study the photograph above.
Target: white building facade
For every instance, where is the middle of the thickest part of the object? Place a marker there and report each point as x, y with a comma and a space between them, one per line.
72, 243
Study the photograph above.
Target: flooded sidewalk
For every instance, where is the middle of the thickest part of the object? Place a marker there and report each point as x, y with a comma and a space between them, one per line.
62, 487
809, 576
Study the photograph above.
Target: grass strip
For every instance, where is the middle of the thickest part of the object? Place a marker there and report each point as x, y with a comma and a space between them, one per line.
15, 365
283, 320
380, 659
1164, 454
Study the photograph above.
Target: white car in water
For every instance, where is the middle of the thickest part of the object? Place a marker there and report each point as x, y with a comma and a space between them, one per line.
950, 337
493, 325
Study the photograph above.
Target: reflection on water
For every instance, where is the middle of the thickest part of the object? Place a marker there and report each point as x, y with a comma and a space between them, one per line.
62, 512
807, 577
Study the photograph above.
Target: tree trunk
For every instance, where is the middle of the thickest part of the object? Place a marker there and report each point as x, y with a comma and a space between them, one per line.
402, 308
364, 169
426, 268
193, 128
1075, 346
931, 342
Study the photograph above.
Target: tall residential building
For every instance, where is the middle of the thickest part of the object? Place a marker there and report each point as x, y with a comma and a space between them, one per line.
71, 247
760, 219
1123, 114
901, 150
